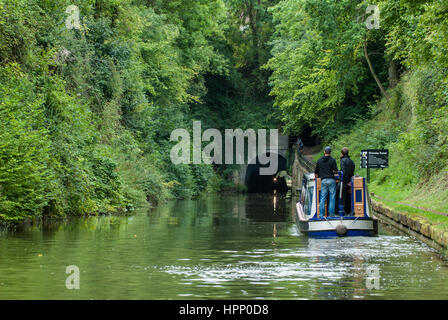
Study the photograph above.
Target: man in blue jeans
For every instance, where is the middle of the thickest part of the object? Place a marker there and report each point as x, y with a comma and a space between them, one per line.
326, 167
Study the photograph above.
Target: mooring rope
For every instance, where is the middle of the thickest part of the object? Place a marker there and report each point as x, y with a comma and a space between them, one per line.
354, 221
329, 223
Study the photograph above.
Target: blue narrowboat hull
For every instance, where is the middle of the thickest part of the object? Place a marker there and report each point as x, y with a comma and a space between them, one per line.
333, 234
326, 228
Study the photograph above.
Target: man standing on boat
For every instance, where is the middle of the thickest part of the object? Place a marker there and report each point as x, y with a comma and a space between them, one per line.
326, 167
348, 170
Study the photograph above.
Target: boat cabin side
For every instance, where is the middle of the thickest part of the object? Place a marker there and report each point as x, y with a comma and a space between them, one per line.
311, 191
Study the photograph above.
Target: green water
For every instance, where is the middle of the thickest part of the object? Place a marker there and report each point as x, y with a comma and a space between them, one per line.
228, 247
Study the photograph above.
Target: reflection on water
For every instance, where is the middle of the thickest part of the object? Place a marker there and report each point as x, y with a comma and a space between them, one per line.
229, 247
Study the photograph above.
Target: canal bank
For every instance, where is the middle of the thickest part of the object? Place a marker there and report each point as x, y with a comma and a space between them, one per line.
434, 234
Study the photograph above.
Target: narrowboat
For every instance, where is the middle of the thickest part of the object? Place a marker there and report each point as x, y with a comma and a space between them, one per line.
359, 222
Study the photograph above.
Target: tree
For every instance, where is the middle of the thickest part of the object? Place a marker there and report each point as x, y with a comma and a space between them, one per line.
318, 61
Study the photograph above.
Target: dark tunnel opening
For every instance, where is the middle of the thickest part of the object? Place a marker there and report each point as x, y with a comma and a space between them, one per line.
257, 183
307, 137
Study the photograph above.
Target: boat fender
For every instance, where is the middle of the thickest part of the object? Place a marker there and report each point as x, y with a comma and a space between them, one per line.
341, 230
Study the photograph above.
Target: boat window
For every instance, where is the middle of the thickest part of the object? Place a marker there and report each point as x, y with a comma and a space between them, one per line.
358, 196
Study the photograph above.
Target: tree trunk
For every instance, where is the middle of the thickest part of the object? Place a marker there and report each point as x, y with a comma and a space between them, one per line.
96, 15
393, 73
253, 26
375, 76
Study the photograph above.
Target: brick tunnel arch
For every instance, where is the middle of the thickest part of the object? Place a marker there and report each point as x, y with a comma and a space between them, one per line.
265, 183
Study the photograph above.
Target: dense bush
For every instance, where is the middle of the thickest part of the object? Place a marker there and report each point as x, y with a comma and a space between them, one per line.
86, 114
24, 147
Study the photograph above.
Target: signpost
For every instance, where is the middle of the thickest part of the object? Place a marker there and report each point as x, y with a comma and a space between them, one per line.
374, 159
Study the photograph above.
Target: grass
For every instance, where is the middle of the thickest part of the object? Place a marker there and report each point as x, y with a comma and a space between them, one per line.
436, 220
432, 194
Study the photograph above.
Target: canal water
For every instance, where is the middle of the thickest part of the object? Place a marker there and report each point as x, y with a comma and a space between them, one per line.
218, 247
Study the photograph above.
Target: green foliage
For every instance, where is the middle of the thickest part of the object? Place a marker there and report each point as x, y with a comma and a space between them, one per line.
86, 114
417, 30
318, 63
24, 147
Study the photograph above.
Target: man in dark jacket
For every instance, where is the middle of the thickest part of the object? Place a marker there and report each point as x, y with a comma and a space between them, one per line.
348, 170
326, 167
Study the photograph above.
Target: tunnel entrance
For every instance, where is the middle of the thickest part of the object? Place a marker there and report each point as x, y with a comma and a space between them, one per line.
306, 135
308, 138
257, 183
